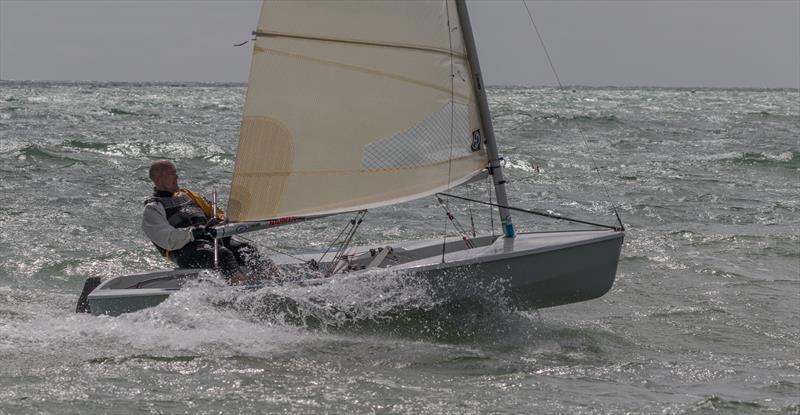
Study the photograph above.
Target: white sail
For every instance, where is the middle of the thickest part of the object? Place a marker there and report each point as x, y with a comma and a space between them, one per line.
351, 105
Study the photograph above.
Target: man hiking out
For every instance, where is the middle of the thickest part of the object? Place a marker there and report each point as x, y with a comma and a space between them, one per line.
180, 223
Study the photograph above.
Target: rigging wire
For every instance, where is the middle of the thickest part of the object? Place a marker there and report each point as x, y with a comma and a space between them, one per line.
456, 224
537, 213
353, 223
491, 211
582, 133
471, 219
350, 228
341, 253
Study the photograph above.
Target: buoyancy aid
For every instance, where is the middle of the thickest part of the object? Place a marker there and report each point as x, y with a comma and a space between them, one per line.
184, 208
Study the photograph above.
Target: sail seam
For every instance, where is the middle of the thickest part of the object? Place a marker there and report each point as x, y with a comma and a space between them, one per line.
261, 33
359, 69
308, 173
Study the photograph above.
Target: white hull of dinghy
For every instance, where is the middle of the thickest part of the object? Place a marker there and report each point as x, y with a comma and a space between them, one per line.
135, 292
534, 270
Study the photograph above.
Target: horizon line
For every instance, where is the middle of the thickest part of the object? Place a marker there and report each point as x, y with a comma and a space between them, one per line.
510, 85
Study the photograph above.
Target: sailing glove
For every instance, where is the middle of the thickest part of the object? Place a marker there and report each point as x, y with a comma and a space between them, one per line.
203, 232
214, 222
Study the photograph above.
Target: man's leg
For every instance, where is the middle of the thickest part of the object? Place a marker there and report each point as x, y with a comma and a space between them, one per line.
200, 254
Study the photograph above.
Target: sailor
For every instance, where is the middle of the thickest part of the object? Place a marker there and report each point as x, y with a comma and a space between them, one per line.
180, 223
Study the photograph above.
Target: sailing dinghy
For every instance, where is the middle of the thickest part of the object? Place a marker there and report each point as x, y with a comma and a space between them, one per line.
355, 105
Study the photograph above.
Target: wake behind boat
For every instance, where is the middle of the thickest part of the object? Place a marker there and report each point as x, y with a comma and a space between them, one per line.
352, 106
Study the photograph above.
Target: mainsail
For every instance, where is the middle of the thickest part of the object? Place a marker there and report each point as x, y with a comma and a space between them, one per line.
350, 107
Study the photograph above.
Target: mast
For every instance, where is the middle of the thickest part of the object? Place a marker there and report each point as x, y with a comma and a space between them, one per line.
491, 145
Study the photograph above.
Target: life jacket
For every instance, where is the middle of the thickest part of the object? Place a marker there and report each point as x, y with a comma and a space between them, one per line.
184, 208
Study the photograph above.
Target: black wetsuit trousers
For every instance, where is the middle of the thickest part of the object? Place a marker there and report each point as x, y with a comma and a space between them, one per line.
232, 254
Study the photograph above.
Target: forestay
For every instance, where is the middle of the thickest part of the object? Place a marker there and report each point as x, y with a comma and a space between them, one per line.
350, 106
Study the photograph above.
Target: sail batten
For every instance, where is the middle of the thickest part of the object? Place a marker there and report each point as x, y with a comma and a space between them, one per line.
363, 69
447, 52
354, 105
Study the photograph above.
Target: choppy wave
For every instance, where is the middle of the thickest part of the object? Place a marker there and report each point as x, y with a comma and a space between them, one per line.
118, 111
599, 120
705, 184
38, 153
788, 159
772, 116
715, 403
87, 145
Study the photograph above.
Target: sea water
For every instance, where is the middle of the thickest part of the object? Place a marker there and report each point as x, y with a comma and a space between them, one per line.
704, 316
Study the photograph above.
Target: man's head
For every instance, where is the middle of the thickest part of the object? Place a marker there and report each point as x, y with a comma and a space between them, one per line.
164, 175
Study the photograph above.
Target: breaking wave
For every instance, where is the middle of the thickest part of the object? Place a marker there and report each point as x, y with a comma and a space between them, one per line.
786, 159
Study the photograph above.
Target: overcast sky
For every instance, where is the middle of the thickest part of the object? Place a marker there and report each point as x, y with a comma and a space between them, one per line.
722, 43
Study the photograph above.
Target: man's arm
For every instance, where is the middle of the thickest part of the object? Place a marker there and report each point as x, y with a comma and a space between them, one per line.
159, 230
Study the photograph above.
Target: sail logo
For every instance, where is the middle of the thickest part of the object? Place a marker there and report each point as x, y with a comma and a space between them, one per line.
476, 140
282, 221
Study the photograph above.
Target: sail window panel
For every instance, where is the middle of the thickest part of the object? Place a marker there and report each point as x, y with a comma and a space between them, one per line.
442, 136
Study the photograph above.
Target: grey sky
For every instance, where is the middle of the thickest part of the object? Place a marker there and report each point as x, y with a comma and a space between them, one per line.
623, 43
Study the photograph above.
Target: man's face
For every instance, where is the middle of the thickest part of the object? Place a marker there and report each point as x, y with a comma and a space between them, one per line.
168, 180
